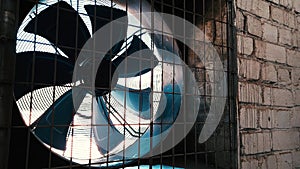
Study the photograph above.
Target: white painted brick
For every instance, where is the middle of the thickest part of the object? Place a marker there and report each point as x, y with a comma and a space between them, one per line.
262, 163
285, 36
240, 20
296, 159
285, 139
295, 38
265, 118
296, 75
290, 20
254, 26
296, 117
270, 52
264, 142
249, 164
275, 53
285, 161
261, 8
277, 14
260, 49
272, 162
282, 119
249, 143
248, 118
249, 69
245, 45
283, 75
270, 32
267, 96
245, 5
296, 4
293, 58
250, 93
256, 142
297, 97
282, 97
286, 3
269, 73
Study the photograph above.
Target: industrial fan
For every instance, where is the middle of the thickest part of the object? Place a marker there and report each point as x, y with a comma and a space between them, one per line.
49, 41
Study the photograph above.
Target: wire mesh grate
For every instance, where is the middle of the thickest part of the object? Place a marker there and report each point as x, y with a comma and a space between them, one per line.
48, 132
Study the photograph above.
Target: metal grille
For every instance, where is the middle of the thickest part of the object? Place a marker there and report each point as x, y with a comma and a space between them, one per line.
37, 89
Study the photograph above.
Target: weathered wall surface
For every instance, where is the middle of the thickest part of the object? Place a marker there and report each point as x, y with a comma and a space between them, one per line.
269, 83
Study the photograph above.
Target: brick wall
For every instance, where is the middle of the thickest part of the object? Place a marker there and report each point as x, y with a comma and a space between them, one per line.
269, 83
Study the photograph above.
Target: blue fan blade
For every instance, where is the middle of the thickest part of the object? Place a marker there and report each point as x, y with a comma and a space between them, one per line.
52, 127
133, 63
137, 100
171, 111
106, 136
62, 26
160, 124
44, 65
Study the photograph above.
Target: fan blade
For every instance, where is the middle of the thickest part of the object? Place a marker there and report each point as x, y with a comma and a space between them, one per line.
137, 100
170, 112
42, 67
52, 127
62, 26
102, 15
139, 63
106, 136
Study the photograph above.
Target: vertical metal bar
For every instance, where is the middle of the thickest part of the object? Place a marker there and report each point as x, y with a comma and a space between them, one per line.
8, 29
232, 81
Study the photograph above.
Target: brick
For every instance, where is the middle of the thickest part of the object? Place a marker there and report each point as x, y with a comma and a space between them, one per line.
283, 75
285, 36
296, 158
240, 20
254, 26
277, 14
285, 161
266, 119
270, 32
249, 143
264, 142
297, 97
250, 93
260, 49
281, 119
295, 38
245, 5
275, 53
267, 96
272, 162
282, 97
261, 8
296, 117
290, 20
245, 45
269, 73
256, 142
286, 3
285, 139
270, 52
293, 58
249, 69
296, 5
296, 75
249, 163
248, 118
